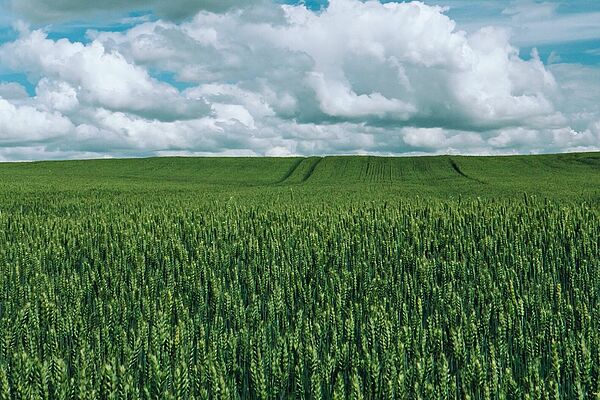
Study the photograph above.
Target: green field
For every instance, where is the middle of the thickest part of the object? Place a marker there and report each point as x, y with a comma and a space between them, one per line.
563, 177
269, 278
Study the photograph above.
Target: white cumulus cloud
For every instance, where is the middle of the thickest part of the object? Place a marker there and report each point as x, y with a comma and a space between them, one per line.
27, 124
96, 77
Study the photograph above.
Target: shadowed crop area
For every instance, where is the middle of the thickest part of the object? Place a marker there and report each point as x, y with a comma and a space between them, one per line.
267, 278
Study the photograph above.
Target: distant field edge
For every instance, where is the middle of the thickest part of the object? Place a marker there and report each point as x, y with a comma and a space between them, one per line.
299, 158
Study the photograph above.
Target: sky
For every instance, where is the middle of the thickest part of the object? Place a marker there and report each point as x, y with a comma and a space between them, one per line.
115, 78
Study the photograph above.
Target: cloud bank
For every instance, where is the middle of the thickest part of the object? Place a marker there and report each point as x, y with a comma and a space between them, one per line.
59, 10
266, 79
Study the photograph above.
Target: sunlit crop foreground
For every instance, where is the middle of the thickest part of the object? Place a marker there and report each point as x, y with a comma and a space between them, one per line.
341, 277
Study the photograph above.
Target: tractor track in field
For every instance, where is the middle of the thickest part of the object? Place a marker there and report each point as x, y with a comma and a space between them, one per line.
457, 169
311, 170
291, 171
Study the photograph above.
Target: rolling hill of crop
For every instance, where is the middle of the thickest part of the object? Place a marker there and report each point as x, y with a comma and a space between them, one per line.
562, 176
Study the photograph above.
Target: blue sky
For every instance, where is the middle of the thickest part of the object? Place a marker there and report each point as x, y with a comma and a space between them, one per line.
280, 78
574, 47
